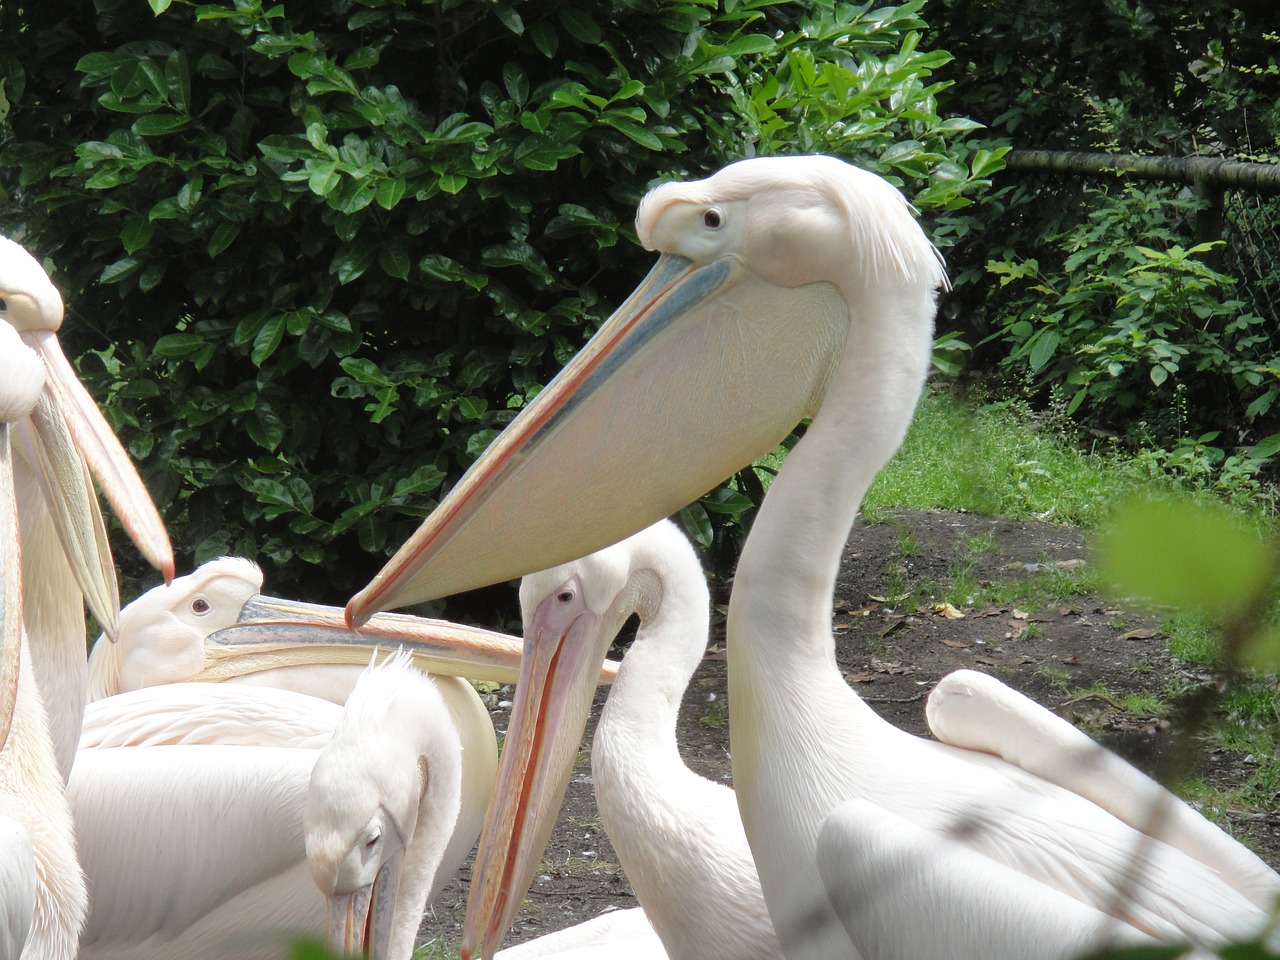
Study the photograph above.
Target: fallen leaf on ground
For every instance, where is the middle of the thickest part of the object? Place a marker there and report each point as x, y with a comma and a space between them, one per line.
884, 666
1142, 633
1070, 564
1020, 614
956, 643
895, 599
950, 611
859, 677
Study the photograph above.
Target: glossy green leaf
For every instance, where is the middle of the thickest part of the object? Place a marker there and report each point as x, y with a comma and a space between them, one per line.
394, 259
580, 25
390, 192
268, 339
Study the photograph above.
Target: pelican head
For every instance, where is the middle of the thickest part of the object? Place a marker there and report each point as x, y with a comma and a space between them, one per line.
67, 431
162, 633
215, 624
771, 275
384, 796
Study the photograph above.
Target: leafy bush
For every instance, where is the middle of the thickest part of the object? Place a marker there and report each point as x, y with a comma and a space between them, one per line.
1141, 336
317, 257
1104, 302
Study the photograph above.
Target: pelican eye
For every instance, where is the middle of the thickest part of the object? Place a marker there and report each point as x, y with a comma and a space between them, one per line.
565, 596
4, 305
200, 606
713, 218
373, 840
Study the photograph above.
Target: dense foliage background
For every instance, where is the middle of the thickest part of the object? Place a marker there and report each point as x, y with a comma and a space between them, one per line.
1091, 294
315, 256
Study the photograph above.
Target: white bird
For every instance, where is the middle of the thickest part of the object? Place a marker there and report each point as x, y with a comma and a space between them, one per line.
188, 797
616, 934
677, 835
381, 808
217, 616
293, 795
64, 546
42, 891
807, 287
188, 803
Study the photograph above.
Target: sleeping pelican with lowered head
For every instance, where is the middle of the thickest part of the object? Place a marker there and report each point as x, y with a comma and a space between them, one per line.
792, 288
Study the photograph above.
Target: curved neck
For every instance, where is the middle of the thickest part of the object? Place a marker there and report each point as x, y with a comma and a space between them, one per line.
644, 701
785, 578
440, 763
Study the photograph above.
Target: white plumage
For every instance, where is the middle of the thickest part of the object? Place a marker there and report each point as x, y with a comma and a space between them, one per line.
791, 288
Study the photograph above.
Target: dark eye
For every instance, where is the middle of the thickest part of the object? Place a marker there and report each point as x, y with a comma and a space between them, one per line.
565, 596
713, 218
372, 841
200, 605
4, 305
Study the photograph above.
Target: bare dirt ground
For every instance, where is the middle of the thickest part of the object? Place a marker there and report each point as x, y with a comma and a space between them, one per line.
892, 650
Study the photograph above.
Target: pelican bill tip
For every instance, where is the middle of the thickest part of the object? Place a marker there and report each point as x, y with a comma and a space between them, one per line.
354, 614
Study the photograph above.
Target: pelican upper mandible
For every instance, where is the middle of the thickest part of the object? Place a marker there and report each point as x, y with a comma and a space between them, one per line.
789, 288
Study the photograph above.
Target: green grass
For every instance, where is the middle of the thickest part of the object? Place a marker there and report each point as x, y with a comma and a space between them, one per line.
1003, 460
436, 949
998, 461
1049, 588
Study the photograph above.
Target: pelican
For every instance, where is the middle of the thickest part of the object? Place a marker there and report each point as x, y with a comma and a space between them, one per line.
805, 284
64, 545
617, 934
171, 785
244, 828
380, 811
214, 624
678, 836
42, 890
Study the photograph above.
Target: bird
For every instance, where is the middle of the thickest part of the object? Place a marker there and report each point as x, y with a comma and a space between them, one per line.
616, 934
677, 835
792, 288
164, 637
380, 811
66, 559
43, 899
383, 796
161, 751
188, 802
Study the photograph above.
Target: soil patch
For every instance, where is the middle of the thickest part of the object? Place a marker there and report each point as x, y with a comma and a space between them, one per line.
895, 639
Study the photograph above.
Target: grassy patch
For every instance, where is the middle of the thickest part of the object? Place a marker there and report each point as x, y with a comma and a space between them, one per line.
577, 866
436, 949
997, 460
1051, 587
1134, 704
1004, 460
716, 716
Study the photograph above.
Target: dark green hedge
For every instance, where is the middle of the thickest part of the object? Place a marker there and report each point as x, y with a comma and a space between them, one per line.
315, 256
